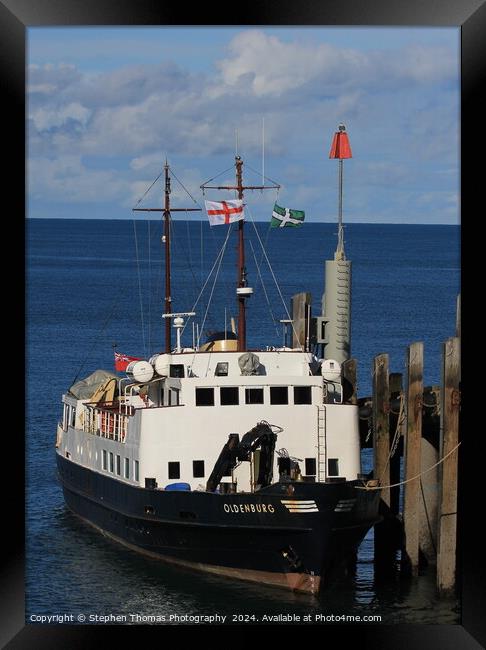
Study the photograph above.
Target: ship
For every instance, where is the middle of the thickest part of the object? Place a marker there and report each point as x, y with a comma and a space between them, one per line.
240, 462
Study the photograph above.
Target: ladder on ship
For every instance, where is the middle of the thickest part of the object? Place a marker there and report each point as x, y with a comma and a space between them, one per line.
321, 443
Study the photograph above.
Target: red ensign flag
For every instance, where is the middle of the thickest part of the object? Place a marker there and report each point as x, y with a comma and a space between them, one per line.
122, 361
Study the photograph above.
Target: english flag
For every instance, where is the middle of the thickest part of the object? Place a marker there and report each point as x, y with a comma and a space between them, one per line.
224, 211
122, 361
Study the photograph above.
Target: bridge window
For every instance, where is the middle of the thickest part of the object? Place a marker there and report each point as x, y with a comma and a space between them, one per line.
333, 466
198, 468
135, 470
111, 462
254, 395
127, 468
174, 470
176, 370
279, 395
302, 395
105, 460
204, 396
118, 465
229, 395
310, 466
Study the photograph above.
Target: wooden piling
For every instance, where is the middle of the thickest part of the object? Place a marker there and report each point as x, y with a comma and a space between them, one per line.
381, 424
300, 314
411, 517
385, 533
450, 399
396, 388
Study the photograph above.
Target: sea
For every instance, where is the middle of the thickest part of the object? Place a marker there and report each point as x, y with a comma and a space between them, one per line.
94, 286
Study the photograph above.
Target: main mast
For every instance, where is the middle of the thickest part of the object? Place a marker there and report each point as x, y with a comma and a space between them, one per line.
168, 299
243, 291
166, 240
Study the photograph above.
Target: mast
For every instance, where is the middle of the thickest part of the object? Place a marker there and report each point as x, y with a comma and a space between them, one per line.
243, 291
167, 257
241, 263
166, 240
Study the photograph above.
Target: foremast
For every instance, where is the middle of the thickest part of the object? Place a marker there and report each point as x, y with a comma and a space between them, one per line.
167, 209
243, 291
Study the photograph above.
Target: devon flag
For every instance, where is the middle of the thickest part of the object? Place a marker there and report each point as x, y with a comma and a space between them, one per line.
283, 217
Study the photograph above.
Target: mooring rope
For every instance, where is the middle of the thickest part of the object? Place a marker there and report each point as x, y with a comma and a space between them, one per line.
384, 487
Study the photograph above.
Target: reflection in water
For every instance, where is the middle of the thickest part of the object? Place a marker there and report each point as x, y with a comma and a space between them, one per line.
97, 575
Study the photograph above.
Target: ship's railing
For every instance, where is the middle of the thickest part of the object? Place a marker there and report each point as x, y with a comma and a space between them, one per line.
106, 421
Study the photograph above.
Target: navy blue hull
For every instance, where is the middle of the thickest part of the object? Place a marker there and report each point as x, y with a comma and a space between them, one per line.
276, 535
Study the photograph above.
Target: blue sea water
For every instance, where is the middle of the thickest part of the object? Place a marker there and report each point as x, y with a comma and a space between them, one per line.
92, 284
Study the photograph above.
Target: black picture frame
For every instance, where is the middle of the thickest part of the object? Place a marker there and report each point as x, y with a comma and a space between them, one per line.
470, 15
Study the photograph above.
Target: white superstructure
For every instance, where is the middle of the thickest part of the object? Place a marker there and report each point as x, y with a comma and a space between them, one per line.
173, 427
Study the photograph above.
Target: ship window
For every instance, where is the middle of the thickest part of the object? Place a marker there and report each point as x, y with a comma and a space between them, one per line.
118, 465
111, 462
105, 459
254, 395
176, 370
73, 416
127, 468
204, 396
161, 396
174, 470
279, 395
302, 395
333, 466
170, 397
221, 369
310, 466
135, 470
149, 510
229, 395
198, 468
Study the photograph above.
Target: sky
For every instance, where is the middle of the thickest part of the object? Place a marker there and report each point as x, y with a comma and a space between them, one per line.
106, 106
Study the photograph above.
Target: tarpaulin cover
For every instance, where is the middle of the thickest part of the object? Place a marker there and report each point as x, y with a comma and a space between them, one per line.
86, 388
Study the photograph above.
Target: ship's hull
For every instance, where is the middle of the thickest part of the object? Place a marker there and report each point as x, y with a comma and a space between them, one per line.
288, 534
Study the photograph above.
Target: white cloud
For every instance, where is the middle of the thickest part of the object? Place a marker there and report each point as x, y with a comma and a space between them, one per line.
400, 106
47, 118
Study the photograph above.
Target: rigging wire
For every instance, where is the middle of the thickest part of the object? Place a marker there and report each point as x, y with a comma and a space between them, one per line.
184, 188
221, 251
149, 288
264, 289
217, 176
274, 278
147, 191
139, 287
97, 338
277, 185
214, 282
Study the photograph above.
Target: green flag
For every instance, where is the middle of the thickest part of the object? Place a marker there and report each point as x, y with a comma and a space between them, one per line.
283, 217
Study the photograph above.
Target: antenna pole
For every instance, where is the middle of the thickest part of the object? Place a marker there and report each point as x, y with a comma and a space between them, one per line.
263, 151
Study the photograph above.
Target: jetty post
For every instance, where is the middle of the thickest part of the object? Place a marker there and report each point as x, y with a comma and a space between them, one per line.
381, 424
448, 471
396, 395
412, 458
